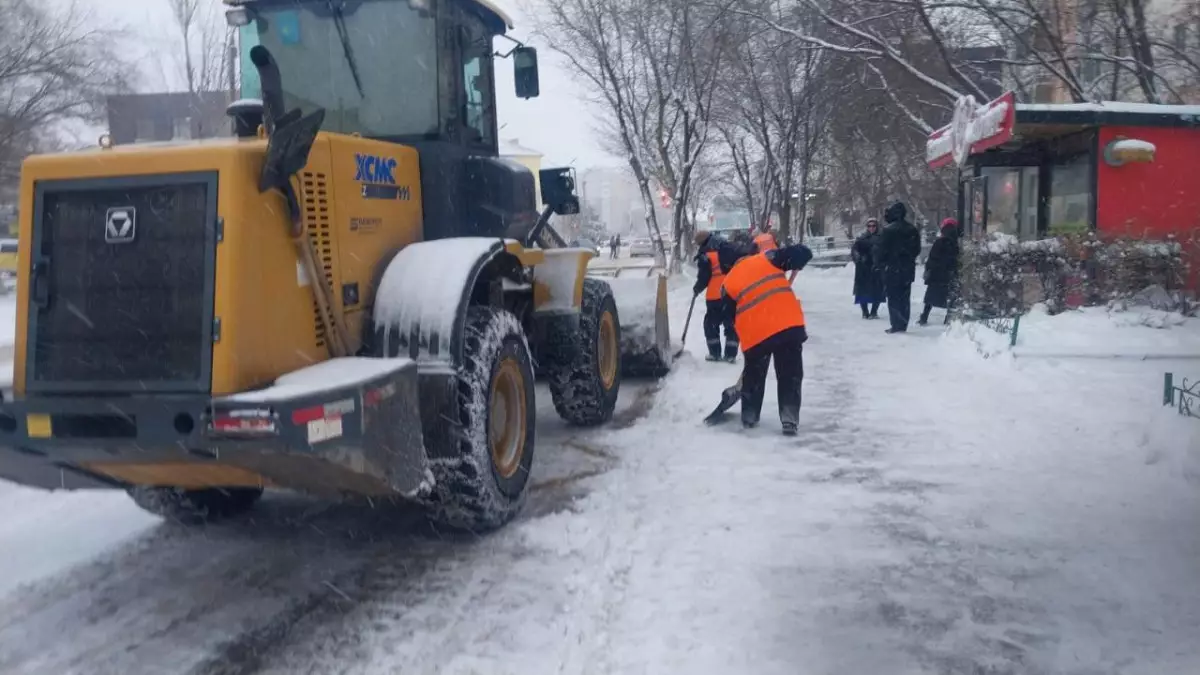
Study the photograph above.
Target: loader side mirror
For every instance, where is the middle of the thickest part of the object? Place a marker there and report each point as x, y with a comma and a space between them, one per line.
525, 72
558, 190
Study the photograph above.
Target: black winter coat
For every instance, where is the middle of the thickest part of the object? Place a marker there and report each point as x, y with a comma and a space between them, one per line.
941, 270
868, 282
727, 255
899, 246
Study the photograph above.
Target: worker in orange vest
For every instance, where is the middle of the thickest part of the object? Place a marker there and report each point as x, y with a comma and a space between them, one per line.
714, 258
765, 240
769, 321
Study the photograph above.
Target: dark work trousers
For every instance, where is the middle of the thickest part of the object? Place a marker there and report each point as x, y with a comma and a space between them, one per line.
718, 314
787, 348
899, 302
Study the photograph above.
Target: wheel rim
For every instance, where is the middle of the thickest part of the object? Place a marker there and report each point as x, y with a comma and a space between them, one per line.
507, 415
608, 350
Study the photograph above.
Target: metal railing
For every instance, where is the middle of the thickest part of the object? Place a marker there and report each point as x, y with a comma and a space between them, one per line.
1185, 395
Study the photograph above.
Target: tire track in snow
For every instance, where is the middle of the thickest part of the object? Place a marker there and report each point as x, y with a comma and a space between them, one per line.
294, 577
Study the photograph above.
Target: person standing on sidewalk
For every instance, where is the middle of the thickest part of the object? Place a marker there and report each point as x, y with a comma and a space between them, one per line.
868, 283
714, 259
770, 324
941, 271
899, 246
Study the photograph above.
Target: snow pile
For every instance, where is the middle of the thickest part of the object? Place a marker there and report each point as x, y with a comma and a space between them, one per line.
1000, 243
978, 338
1172, 440
1094, 332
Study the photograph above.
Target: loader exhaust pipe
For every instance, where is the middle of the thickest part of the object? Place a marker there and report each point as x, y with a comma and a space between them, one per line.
272, 86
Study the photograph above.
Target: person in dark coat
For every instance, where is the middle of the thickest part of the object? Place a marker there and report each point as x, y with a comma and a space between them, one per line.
714, 258
899, 246
941, 271
868, 283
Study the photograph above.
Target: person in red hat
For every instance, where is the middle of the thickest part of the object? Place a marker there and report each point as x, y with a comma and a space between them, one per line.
941, 271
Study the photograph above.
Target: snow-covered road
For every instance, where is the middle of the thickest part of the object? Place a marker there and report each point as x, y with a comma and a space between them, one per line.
939, 513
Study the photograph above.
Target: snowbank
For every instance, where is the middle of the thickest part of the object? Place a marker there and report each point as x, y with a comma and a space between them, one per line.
1140, 332
1090, 332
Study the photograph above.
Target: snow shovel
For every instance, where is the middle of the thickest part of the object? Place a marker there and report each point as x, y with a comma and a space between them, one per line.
729, 398
687, 322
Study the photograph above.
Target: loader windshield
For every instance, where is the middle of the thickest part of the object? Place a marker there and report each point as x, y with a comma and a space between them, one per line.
372, 65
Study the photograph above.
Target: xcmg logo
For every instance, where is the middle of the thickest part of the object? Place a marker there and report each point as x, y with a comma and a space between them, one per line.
372, 169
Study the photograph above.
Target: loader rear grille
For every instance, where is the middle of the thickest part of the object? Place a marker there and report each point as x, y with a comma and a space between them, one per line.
116, 309
315, 196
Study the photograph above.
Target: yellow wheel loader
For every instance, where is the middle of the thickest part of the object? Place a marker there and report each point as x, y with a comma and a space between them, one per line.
351, 296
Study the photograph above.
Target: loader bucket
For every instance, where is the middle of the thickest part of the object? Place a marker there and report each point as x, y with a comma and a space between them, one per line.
645, 330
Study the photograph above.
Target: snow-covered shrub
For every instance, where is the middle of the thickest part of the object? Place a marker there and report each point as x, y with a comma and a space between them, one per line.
1002, 277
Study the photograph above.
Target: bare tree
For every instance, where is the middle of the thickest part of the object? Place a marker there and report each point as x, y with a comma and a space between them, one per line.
654, 67
56, 67
206, 45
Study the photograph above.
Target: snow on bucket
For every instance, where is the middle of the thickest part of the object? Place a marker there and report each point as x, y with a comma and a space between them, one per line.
645, 329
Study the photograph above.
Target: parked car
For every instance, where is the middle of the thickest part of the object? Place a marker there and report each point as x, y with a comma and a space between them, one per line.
641, 247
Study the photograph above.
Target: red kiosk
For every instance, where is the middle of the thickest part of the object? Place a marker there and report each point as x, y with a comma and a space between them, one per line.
1040, 170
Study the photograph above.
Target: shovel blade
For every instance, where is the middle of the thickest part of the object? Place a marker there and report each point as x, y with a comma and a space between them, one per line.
729, 398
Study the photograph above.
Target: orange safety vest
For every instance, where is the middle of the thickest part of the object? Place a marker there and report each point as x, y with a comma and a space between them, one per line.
766, 303
765, 242
713, 292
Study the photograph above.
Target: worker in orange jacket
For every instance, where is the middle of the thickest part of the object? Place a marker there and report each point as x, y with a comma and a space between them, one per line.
770, 325
765, 240
713, 259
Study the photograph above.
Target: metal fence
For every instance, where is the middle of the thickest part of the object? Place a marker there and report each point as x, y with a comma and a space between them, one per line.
1184, 395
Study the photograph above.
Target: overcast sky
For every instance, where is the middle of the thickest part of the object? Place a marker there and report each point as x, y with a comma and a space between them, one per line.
558, 123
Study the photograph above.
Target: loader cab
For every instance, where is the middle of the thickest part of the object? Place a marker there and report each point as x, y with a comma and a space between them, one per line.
414, 72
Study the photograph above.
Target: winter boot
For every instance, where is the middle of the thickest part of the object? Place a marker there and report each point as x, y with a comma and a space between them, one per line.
866, 314
713, 357
789, 428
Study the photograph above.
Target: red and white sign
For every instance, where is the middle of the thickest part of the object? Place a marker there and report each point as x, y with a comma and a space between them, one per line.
973, 129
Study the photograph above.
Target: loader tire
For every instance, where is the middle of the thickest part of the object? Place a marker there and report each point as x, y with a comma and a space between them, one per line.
584, 370
484, 487
194, 507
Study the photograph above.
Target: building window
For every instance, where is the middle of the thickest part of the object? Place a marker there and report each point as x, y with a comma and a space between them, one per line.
1029, 202
183, 128
145, 130
1071, 196
1003, 193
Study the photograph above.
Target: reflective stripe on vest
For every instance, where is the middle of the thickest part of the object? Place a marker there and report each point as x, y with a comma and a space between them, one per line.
765, 242
713, 292
766, 303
